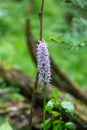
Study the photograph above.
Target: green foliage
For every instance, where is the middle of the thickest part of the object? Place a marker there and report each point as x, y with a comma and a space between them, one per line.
5, 126
58, 125
2, 83
70, 126
55, 93
68, 106
80, 3
55, 109
67, 43
1, 120
12, 36
47, 124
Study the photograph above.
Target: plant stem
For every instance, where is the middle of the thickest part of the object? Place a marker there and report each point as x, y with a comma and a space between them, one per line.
44, 96
36, 82
33, 101
41, 19
41, 31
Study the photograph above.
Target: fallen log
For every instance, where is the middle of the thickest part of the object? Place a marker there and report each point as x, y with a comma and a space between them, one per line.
19, 79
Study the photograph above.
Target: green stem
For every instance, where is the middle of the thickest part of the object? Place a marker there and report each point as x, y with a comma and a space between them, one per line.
44, 95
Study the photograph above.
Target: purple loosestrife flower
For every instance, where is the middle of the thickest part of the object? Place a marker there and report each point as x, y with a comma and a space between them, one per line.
43, 62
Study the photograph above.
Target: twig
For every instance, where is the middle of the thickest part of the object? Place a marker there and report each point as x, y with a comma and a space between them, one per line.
41, 19
33, 102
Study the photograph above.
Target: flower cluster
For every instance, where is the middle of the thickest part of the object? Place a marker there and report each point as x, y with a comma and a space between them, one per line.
43, 62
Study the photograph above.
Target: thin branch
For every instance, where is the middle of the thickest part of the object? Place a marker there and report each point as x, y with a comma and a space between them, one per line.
33, 102
41, 19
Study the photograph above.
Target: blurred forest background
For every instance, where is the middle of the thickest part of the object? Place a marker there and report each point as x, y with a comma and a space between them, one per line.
64, 29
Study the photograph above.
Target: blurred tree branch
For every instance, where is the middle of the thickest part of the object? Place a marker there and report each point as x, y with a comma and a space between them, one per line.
59, 78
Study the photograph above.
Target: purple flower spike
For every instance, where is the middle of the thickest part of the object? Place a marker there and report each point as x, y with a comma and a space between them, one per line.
43, 62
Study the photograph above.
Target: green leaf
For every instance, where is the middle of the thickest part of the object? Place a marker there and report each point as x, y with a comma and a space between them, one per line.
49, 106
80, 3
70, 126
6, 126
47, 124
55, 40
53, 103
55, 114
56, 94
58, 125
68, 106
